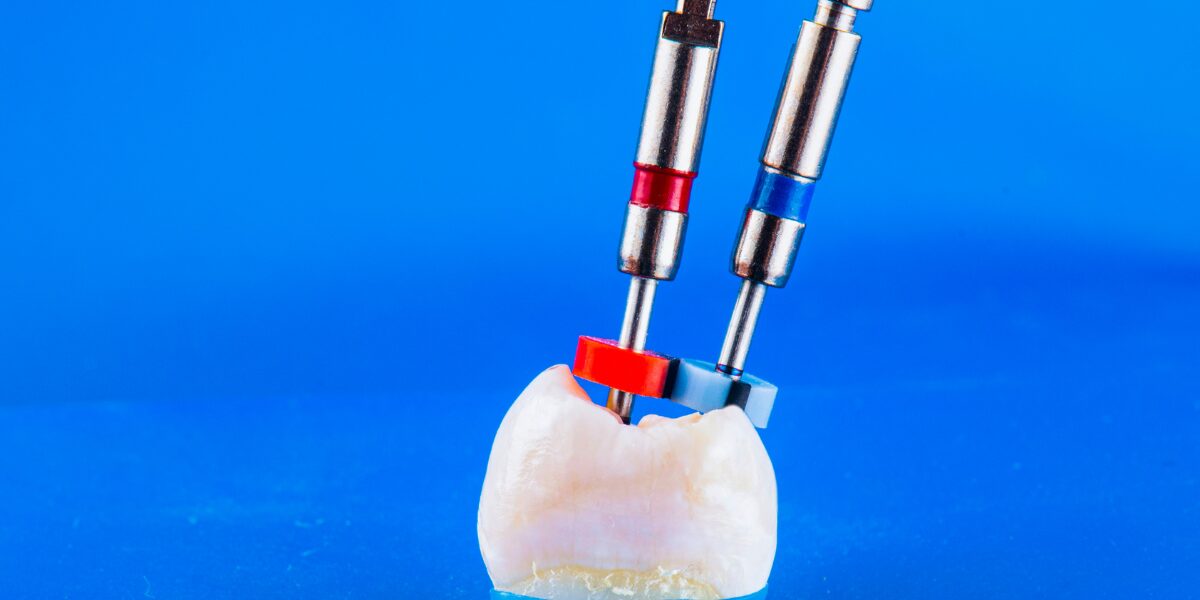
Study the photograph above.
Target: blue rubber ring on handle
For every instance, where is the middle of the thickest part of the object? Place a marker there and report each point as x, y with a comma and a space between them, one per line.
780, 195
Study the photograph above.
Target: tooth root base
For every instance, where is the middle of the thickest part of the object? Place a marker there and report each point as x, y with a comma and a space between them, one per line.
582, 582
499, 595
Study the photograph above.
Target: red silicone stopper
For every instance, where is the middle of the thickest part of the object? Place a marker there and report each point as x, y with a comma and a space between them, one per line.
604, 362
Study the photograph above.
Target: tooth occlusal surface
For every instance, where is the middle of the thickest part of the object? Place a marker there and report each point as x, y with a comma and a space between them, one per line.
577, 505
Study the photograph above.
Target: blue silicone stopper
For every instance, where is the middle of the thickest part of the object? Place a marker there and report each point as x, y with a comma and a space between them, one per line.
701, 387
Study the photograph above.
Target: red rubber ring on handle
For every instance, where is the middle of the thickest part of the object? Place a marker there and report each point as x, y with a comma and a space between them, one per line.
659, 187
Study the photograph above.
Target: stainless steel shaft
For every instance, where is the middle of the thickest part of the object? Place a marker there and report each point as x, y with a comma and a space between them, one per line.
667, 159
634, 330
793, 158
741, 328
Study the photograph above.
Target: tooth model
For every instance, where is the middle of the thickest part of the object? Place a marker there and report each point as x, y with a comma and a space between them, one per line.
577, 505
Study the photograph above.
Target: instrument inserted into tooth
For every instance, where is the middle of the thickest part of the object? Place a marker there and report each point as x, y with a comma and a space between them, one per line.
668, 155
773, 223
544, 451
793, 157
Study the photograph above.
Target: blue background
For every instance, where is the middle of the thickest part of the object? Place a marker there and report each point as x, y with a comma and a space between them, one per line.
272, 273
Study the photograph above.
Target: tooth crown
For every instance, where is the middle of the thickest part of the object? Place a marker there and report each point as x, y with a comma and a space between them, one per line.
574, 500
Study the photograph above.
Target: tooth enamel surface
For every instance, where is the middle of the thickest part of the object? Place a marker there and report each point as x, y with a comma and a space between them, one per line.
577, 505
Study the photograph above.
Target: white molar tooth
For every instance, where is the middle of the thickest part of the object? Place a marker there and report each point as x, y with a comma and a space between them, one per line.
577, 505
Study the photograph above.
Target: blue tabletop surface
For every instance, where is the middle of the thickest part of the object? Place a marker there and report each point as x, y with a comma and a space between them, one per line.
272, 273
1062, 468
